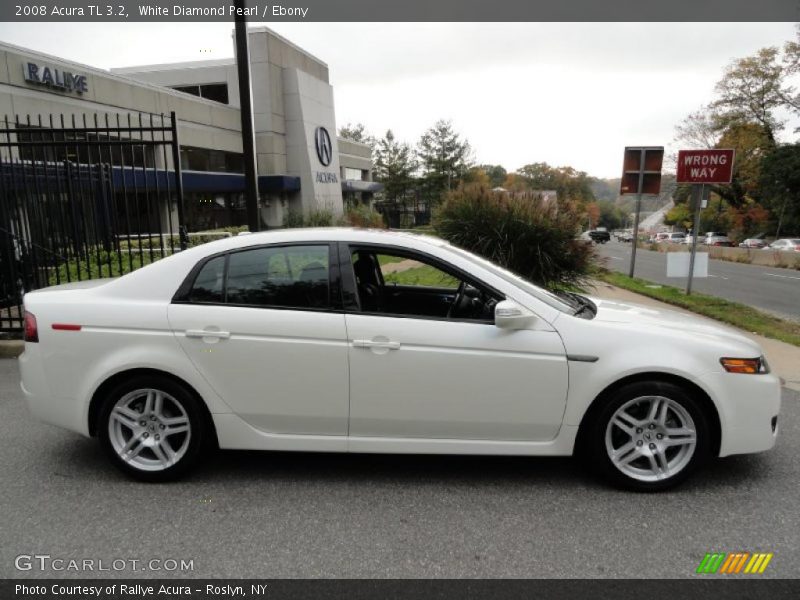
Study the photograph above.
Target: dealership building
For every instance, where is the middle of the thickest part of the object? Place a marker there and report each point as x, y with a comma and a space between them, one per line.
301, 164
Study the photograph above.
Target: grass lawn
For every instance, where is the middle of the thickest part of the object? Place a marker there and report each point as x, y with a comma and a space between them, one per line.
424, 276
742, 316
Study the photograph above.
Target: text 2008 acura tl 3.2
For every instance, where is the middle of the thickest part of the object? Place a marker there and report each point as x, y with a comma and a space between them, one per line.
341, 340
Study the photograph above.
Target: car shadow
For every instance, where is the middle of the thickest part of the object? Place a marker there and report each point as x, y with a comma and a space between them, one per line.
81, 458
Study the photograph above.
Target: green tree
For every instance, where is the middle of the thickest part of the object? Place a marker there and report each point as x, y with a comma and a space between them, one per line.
611, 216
394, 168
357, 133
680, 215
780, 186
444, 156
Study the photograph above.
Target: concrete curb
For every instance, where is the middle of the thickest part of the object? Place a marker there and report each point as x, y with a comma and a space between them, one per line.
11, 348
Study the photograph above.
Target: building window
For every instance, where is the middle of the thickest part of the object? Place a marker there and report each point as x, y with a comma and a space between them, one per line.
203, 159
354, 174
218, 92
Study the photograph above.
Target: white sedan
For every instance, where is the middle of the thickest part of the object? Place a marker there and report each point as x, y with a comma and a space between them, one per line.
340, 340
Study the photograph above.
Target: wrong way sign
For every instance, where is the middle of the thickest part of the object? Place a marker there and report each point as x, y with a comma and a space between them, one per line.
705, 166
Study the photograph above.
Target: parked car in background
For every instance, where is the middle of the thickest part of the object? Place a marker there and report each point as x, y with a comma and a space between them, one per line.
717, 239
689, 239
674, 238
753, 243
625, 236
600, 235
786, 244
659, 237
305, 340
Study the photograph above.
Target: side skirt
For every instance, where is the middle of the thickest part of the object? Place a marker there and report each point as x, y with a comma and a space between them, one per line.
235, 434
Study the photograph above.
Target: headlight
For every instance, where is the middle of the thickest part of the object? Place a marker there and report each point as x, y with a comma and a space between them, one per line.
749, 366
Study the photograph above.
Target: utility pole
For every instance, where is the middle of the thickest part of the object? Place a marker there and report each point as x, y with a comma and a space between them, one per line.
246, 111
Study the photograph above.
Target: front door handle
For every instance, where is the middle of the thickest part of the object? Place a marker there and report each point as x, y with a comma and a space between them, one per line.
208, 333
376, 344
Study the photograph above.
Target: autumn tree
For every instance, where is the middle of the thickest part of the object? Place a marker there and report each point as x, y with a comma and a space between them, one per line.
569, 183
751, 90
496, 173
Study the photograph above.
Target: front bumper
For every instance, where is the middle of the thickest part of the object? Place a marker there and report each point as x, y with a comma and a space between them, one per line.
747, 405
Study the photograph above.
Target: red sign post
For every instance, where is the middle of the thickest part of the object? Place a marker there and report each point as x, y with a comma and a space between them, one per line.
641, 174
705, 166
700, 167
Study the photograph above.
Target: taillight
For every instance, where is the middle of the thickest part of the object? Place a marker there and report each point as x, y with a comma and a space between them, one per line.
31, 330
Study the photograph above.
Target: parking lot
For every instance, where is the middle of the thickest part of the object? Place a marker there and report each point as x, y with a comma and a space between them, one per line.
325, 515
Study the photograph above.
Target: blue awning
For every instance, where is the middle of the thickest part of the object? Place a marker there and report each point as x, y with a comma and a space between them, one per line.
357, 185
136, 178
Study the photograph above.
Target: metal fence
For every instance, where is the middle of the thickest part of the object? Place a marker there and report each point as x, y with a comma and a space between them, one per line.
84, 198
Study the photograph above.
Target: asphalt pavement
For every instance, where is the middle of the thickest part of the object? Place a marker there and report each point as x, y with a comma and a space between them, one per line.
265, 514
773, 290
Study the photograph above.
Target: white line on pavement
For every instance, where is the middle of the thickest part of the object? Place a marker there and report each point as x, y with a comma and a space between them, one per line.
783, 276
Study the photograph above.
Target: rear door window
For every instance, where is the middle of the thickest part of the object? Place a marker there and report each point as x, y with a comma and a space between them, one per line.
288, 276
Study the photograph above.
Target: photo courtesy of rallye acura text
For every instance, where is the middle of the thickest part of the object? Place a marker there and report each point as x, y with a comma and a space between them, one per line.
311, 340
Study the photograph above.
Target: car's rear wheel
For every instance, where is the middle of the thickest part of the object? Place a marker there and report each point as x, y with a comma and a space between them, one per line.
650, 436
152, 428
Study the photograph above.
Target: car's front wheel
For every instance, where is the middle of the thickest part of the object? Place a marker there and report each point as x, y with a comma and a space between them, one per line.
152, 428
650, 436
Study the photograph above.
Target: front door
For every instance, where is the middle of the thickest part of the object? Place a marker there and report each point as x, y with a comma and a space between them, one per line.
427, 361
259, 326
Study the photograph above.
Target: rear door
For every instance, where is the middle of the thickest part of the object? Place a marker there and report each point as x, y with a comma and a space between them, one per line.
264, 327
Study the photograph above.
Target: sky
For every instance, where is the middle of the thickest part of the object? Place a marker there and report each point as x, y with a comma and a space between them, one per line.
569, 94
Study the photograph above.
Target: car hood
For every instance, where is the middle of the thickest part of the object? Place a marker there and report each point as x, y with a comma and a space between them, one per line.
611, 311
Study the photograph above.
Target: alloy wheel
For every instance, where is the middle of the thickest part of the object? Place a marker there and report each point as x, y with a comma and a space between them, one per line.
149, 429
651, 438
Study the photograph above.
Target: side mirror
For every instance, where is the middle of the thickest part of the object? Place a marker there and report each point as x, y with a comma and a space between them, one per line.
510, 315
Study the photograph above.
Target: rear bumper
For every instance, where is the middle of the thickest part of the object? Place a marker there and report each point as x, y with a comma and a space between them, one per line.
43, 404
749, 406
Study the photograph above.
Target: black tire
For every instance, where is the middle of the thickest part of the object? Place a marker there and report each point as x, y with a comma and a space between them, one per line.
174, 396
596, 448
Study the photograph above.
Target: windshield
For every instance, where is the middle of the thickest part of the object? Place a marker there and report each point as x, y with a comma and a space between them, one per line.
542, 294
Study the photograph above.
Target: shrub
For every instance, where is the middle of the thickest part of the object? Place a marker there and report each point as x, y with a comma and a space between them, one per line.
363, 216
320, 217
519, 231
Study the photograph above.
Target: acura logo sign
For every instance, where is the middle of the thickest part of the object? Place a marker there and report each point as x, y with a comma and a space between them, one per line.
322, 140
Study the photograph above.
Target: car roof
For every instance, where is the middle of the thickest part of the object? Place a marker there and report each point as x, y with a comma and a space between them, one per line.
323, 234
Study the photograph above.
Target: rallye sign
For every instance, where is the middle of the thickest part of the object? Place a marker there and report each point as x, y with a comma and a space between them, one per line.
705, 166
54, 78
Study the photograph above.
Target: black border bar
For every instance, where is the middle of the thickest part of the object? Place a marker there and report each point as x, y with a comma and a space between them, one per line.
405, 10
705, 587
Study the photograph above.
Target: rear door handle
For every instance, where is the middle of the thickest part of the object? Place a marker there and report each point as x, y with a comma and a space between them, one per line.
208, 333
376, 344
